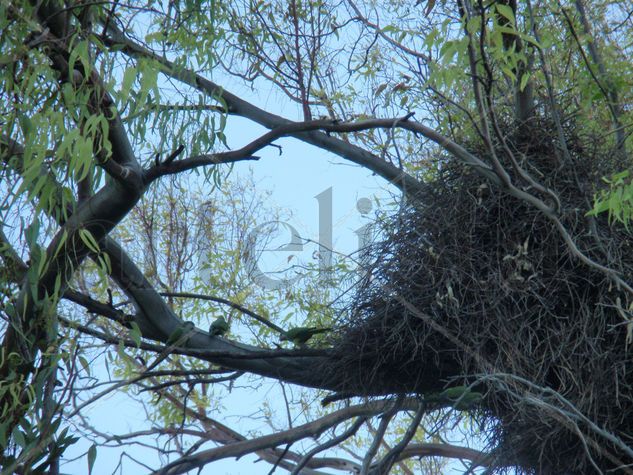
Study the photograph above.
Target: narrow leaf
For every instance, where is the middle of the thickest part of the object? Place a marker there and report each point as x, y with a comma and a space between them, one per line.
92, 456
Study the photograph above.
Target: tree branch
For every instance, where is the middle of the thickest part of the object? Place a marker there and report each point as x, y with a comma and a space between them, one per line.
311, 429
240, 107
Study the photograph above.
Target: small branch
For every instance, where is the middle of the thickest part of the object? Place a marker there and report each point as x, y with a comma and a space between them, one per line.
611, 95
172, 156
238, 106
384, 466
380, 433
98, 308
336, 397
334, 441
158, 387
236, 306
479, 459
311, 429
569, 411
388, 39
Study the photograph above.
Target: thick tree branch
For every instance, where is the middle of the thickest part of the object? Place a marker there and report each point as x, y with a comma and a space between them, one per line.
157, 321
122, 164
240, 107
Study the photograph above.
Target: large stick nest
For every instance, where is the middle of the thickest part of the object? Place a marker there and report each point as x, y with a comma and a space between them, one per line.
475, 286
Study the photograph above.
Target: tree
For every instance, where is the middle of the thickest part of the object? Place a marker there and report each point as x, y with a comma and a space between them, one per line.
500, 290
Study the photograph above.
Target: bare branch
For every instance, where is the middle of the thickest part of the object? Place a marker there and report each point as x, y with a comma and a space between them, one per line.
380, 433
330, 443
311, 429
243, 108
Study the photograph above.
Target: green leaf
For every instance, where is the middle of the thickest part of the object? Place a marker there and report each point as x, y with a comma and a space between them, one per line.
92, 456
26, 123
524, 80
618, 178
379, 89
89, 240
505, 11
135, 334
508, 72
84, 364
126, 85
18, 438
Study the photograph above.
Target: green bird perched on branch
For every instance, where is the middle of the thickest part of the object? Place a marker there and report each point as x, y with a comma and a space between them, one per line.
181, 334
462, 398
219, 327
300, 335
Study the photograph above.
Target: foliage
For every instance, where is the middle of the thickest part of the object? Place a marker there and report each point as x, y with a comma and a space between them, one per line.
503, 124
617, 200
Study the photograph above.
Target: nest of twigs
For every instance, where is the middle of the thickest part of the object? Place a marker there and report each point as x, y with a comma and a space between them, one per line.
474, 286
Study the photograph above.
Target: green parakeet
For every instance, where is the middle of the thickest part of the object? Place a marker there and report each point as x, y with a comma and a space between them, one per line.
219, 327
462, 397
300, 335
181, 334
